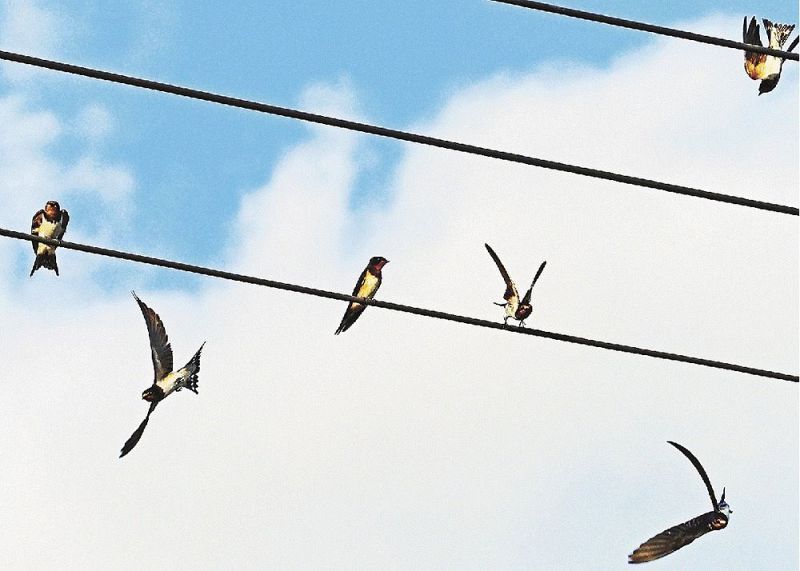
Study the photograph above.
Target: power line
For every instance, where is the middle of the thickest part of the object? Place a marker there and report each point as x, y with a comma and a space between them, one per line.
398, 307
393, 133
634, 25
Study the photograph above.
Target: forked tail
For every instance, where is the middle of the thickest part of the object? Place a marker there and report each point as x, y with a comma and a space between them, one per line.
45, 260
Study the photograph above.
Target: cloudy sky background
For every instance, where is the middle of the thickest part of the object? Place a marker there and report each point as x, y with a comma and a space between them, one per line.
404, 443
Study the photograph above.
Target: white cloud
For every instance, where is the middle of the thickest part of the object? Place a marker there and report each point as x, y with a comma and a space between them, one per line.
26, 27
407, 443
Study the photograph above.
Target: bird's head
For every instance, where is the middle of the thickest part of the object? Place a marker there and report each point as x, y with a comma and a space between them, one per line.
723, 505
52, 209
523, 311
153, 393
377, 263
768, 84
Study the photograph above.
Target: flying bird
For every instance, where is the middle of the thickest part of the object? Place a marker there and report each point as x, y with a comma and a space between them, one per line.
368, 283
165, 381
762, 66
50, 222
683, 534
519, 310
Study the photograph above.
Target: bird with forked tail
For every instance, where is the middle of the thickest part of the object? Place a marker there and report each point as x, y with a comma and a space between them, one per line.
765, 67
165, 381
368, 283
681, 535
516, 308
49, 222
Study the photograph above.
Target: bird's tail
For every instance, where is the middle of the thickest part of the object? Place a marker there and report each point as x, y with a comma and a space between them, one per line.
192, 368
751, 34
777, 33
45, 260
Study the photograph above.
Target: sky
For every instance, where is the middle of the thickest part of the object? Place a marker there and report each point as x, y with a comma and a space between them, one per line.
404, 442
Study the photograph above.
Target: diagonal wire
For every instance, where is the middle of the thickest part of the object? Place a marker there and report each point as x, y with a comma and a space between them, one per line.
393, 133
642, 26
398, 307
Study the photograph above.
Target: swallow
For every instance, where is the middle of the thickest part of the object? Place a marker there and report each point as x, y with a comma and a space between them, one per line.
762, 66
368, 283
519, 310
165, 381
683, 534
50, 222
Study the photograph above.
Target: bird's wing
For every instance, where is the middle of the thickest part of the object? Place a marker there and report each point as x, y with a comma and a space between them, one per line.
38, 218
137, 434
511, 289
674, 538
159, 342
751, 34
527, 298
365, 287
64, 222
693, 459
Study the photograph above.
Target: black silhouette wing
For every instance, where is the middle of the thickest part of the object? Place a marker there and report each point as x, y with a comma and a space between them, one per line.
64, 222
511, 288
527, 298
701, 470
674, 538
159, 342
137, 434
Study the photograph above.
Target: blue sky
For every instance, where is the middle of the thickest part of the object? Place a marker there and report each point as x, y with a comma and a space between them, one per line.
461, 448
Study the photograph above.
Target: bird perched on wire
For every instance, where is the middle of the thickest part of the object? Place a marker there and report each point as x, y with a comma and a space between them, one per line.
165, 381
683, 534
368, 283
49, 222
515, 308
762, 66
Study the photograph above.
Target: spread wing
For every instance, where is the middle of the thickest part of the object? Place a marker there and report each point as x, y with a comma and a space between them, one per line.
527, 298
674, 538
701, 470
159, 343
64, 222
137, 434
511, 289
38, 218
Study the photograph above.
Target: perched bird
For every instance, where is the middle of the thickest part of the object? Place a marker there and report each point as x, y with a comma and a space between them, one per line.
165, 381
519, 310
762, 66
683, 534
368, 283
50, 222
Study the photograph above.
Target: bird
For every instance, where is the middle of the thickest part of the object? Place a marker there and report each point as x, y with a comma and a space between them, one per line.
368, 283
762, 66
683, 534
165, 381
49, 222
519, 310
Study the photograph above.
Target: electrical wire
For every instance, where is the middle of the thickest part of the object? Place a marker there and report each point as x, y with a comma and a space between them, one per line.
398, 307
661, 30
393, 133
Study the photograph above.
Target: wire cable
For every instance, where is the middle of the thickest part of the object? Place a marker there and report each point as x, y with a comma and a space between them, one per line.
393, 133
398, 307
661, 30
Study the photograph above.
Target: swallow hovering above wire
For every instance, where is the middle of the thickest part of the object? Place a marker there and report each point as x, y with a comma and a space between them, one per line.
762, 66
515, 308
683, 534
49, 222
165, 381
368, 283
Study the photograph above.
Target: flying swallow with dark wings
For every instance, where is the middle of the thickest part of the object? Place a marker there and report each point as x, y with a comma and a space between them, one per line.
515, 308
165, 381
368, 283
683, 534
762, 66
49, 222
